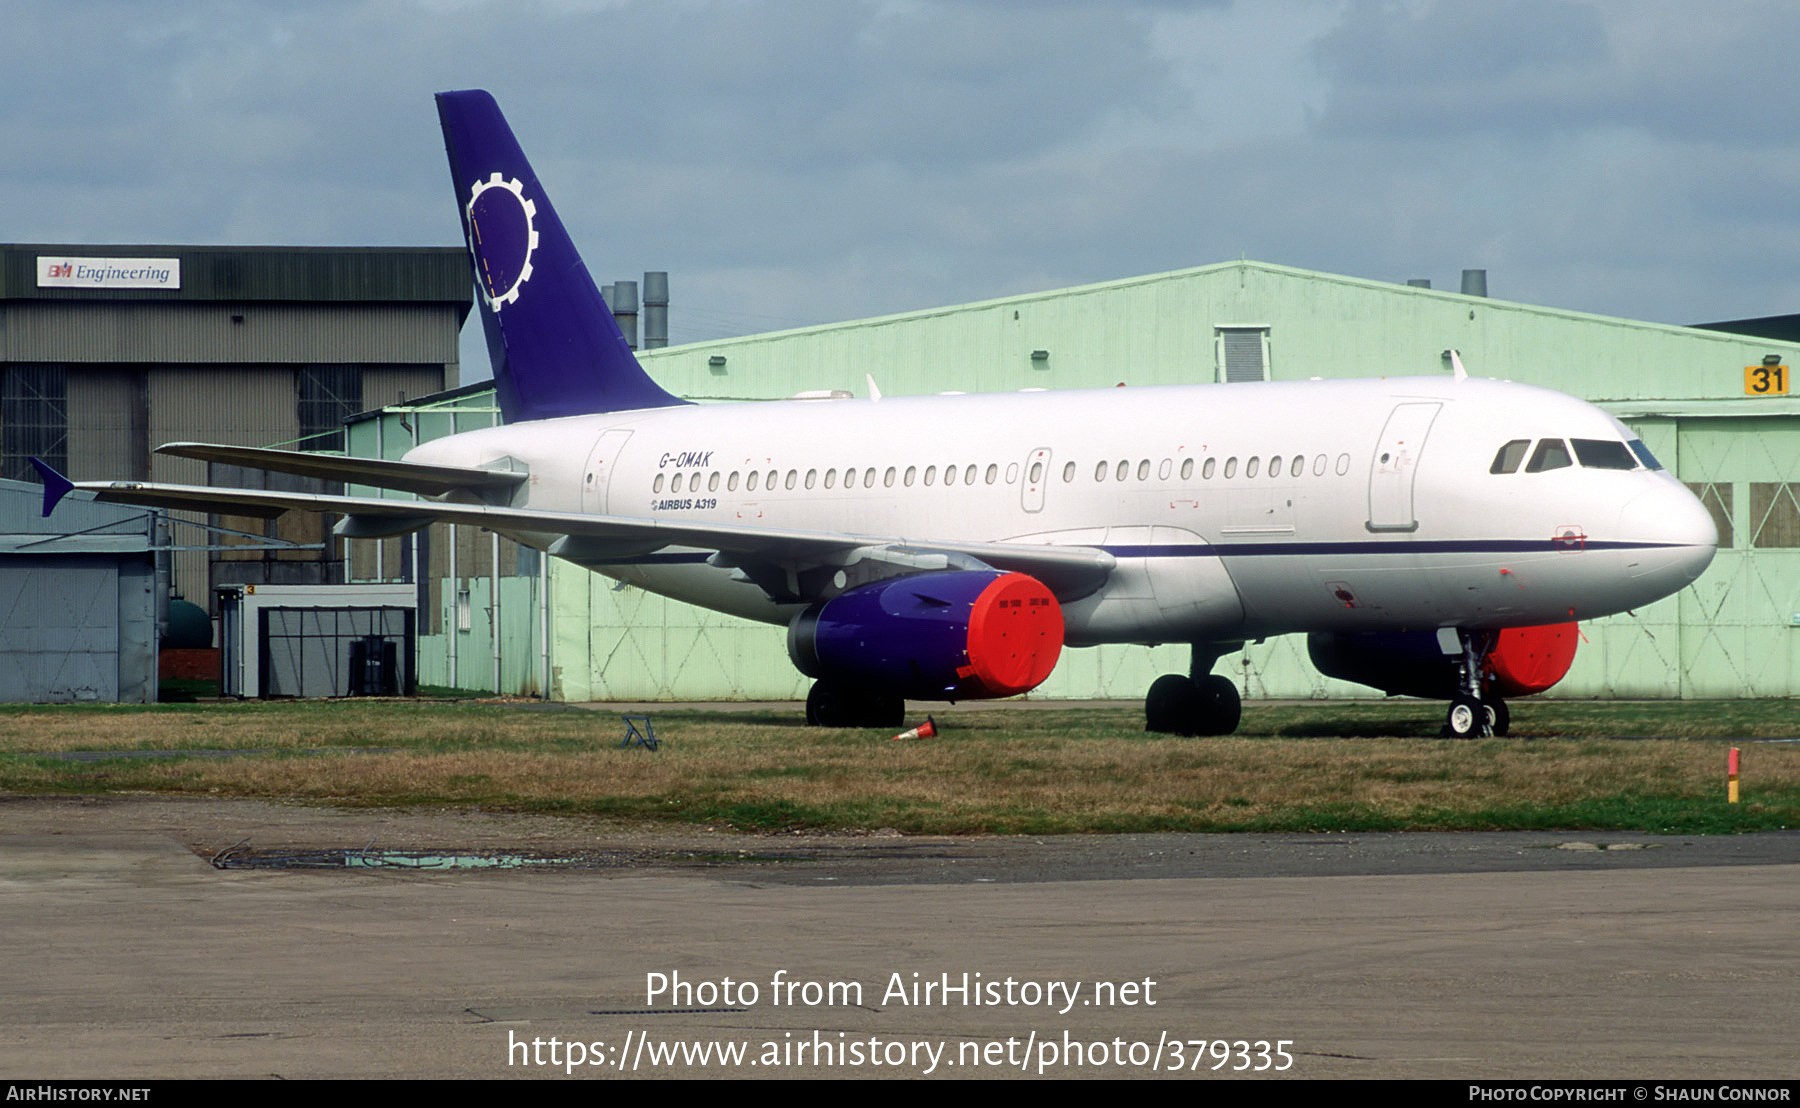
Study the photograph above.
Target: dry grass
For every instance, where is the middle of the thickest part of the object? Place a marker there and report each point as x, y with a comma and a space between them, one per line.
1009, 771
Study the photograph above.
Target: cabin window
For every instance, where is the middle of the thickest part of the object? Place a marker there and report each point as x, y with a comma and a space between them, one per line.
907, 479
1299, 469
657, 485
1343, 464
1187, 469
1319, 466
1604, 454
1100, 472
969, 474
1250, 468
1550, 454
869, 478
1206, 471
712, 482
750, 485
1144, 470
731, 482
1509, 457
1037, 472
1275, 466
930, 475
1068, 473
993, 472
949, 476
1643, 454
1124, 470
792, 478
812, 477
769, 481
1230, 468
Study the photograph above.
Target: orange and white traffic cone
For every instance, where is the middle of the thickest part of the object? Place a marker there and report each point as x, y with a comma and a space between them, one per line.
926, 730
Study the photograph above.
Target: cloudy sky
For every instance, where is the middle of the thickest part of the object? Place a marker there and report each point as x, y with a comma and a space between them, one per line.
805, 161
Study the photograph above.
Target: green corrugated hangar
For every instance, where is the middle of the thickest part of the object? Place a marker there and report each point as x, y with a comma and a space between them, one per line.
1711, 403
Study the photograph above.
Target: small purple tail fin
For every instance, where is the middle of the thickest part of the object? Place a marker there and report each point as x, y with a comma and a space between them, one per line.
555, 348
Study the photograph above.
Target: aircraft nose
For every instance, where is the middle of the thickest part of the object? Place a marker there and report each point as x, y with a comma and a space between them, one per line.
1679, 526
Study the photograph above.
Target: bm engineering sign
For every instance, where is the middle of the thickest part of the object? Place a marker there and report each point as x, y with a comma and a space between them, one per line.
108, 273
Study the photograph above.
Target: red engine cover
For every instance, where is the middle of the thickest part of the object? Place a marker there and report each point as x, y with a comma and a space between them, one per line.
1015, 635
1528, 660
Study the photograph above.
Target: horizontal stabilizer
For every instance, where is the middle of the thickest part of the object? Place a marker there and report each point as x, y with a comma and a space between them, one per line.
415, 477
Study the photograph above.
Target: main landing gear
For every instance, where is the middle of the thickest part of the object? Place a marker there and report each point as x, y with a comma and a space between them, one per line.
1198, 703
836, 704
1474, 715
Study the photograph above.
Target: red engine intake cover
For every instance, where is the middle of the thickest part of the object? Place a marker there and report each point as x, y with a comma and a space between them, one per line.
1529, 660
1015, 635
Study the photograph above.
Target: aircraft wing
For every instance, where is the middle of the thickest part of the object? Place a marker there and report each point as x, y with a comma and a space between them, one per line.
1069, 571
419, 477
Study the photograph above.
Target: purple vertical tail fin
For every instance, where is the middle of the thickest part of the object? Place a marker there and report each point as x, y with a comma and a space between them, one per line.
555, 348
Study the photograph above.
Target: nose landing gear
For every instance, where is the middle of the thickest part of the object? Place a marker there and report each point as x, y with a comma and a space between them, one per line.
1473, 713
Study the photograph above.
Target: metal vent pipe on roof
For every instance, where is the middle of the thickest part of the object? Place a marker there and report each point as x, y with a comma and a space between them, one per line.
624, 305
656, 310
1474, 282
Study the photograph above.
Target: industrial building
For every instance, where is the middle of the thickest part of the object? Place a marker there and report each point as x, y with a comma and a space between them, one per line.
1711, 403
109, 351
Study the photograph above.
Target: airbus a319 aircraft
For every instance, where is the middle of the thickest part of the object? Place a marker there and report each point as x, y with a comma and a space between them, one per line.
1435, 537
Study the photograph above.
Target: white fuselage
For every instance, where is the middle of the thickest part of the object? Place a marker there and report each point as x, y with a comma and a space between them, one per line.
1234, 511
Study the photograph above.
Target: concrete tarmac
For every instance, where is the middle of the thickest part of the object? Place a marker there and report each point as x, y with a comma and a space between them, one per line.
129, 955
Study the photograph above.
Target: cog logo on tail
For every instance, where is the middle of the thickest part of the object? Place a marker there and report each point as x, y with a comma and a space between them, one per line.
503, 237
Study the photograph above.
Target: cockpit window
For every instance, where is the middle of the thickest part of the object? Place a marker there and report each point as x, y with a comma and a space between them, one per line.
1643, 454
1550, 454
1507, 461
1604, 454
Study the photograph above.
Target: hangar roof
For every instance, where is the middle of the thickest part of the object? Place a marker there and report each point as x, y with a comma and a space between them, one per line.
256, 273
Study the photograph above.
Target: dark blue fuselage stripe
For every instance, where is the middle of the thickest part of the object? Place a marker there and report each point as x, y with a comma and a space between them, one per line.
1420, 546
1292, 549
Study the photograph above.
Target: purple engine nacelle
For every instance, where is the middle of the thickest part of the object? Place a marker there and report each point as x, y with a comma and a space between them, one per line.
959, 635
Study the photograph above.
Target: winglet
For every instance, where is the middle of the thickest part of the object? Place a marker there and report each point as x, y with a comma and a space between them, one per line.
56, 486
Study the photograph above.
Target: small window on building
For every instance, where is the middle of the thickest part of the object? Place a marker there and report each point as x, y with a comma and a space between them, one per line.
34, 419
1774, 514
328, 394
1242, 353
1717, 499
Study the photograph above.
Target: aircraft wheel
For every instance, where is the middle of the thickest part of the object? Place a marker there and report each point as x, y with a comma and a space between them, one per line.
1224, 707
1171, 705
830, 704
1498, 715
1465, 718
824, 705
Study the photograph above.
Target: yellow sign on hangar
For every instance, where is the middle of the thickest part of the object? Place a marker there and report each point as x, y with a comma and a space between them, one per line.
1765, 380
